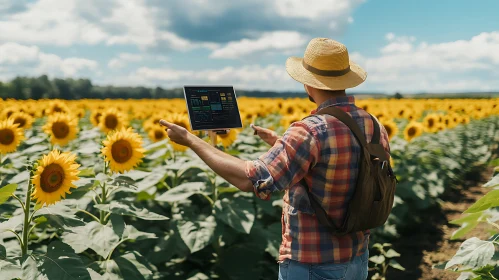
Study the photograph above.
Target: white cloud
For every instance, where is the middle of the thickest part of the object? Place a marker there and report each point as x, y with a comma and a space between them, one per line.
451, 66
123, 59
42, 23
283, 41
29, 60
272, 77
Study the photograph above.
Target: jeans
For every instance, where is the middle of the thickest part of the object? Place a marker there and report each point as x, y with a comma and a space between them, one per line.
354, 270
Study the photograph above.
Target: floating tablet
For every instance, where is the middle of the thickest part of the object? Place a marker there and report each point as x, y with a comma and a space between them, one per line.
212, 107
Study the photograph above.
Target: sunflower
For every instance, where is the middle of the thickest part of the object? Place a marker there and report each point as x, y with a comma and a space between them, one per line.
112, 119
228, 138
123, 150
7, 112
430, 122
62, 128
390, 127
24, 120
95, 117
157, 133
181, 120
178, 147
10, 136
413, 130
57, 106
54, 177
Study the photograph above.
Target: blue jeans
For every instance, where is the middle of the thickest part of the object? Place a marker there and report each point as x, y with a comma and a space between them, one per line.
354, 270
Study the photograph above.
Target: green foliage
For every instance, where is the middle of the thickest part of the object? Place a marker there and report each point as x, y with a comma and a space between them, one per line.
477, 259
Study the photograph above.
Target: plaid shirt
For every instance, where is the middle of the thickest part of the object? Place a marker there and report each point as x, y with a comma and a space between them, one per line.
324, 151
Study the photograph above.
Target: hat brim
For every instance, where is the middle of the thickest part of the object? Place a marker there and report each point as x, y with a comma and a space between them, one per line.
355, 77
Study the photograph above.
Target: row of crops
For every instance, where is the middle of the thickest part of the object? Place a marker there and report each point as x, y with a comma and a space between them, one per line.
93, 189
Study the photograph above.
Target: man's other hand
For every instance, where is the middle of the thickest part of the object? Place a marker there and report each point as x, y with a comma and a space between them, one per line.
177, 133
267, 135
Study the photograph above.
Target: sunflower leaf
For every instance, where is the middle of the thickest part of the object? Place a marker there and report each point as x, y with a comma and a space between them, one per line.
62, 263
237, 213
184, 191
100, 238
128, 209
9, 270
60, 216
7, 192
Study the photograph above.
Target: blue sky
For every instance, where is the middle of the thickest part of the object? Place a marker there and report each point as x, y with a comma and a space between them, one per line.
405, 46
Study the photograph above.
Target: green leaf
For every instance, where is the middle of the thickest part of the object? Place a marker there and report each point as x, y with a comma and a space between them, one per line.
128, 209
87, 172
377, 259
472, 254
137, 174
62, 263
12, 224
392, 254
238, 213
197, 234
9, 270
29, 268
467, 223
60, 216
396, 265
199, 276
494, 182
20, 178
491, 199
100, 238
7, 192
133, 234
151, 180
3, 252
118, 224
130, 266
183, 191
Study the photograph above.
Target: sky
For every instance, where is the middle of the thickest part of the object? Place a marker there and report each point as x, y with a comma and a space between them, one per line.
407, 46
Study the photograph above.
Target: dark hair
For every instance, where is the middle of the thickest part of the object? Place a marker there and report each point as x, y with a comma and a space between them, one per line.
334, 92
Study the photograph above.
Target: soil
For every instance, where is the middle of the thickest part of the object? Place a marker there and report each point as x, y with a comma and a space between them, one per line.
430, 245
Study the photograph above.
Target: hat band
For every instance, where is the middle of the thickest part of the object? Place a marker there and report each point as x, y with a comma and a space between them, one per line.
326, 73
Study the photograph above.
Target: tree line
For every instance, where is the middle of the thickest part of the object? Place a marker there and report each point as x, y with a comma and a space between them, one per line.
42, 87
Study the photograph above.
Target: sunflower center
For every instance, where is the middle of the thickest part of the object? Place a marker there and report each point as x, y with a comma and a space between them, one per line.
180, 124
60, 130
158, 134
411, 131
290, 110
431, 122
388, 130
6, 136
97, 117
9, 113
20, 121
111, 122
52, 178
57, 109
121, 151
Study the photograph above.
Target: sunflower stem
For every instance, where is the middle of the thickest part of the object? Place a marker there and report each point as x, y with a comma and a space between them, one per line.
89, 214
20, 201
103, 199
27, 207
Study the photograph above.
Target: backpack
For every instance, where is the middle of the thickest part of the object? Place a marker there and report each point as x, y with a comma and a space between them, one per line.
373, 197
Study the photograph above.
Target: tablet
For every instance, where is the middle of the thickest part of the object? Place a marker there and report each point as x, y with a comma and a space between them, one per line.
212, 107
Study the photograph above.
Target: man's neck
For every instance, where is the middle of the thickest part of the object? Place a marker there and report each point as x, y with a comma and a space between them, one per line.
321, 98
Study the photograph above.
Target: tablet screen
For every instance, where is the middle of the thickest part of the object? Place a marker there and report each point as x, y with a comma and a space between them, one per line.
212, 107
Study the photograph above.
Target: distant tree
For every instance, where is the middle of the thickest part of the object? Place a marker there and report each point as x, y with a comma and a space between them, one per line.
398, 96
64, 89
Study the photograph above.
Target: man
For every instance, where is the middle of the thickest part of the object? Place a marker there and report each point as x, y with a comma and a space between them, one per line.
319, 149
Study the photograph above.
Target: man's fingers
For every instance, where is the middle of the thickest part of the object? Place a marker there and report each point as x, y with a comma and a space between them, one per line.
167, 124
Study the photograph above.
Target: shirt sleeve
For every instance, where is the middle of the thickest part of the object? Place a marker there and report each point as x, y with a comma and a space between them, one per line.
286, 163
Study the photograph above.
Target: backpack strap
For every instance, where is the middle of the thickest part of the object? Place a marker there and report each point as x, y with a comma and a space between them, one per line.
342, 116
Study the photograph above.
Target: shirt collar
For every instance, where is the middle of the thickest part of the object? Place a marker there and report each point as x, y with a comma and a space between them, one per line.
334, 101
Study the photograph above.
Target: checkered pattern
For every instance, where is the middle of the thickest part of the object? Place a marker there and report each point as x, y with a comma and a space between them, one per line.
324, 151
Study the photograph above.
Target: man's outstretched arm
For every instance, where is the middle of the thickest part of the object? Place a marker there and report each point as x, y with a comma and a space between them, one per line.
228, 167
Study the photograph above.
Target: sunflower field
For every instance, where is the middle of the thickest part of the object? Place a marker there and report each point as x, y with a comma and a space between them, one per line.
93, 189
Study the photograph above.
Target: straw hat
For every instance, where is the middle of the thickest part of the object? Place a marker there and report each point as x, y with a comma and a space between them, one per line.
326, 65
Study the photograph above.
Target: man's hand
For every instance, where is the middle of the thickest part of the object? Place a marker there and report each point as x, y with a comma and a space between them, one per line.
177, 133
267, 135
